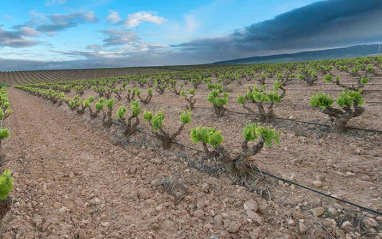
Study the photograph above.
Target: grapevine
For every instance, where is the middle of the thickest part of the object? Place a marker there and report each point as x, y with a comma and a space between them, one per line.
237, 166
349, 101
129, 127
156, 122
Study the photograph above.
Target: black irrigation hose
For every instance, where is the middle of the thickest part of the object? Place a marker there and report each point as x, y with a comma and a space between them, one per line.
294, 120
302, 121
327, 125
369, 130
320, 124
366, 102
319, 192
234, 98
286, 180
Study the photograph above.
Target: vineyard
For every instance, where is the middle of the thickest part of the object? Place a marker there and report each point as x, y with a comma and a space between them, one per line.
248, 151
32, 77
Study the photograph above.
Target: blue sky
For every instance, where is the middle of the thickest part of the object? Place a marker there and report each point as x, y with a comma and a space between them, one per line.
46, 34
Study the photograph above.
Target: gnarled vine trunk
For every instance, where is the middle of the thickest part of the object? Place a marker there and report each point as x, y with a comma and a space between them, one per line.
147, 100
166, 138
107, 120
160, 90
219, 110
191, 102
238, 167
340, 118
93, 114
129, 128
130, 96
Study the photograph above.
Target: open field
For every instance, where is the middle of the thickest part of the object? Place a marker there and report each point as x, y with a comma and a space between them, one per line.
77, 178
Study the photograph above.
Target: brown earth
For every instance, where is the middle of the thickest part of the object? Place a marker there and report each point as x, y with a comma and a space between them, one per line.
73, 181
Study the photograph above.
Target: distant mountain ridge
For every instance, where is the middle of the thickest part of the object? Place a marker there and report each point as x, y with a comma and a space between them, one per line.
345, 52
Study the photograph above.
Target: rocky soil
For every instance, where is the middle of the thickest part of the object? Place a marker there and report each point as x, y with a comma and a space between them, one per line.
74, 179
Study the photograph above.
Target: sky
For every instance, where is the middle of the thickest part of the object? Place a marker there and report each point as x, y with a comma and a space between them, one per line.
65, 34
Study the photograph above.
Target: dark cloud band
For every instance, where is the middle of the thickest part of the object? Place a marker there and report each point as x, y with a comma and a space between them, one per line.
325, 24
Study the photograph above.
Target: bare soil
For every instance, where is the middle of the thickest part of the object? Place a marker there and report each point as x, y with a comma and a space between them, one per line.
75, 179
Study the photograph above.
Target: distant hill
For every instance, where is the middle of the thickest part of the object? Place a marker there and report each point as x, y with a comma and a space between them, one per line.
346, 52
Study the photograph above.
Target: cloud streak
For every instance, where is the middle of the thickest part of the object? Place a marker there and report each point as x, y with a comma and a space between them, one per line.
135, 19
61, 22
17, 39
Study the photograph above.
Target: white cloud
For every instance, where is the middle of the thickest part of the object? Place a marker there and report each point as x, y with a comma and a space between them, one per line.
137, 18
191, 24
149, 46
113, 17
106, 54
157, 46
54, 2
95, 54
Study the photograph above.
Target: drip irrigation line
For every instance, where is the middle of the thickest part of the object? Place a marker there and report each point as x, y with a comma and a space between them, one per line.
319, 192
302, 121
297, 184
234, 98
366, 102
287, 181
188, 147
279, 118
369, 130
